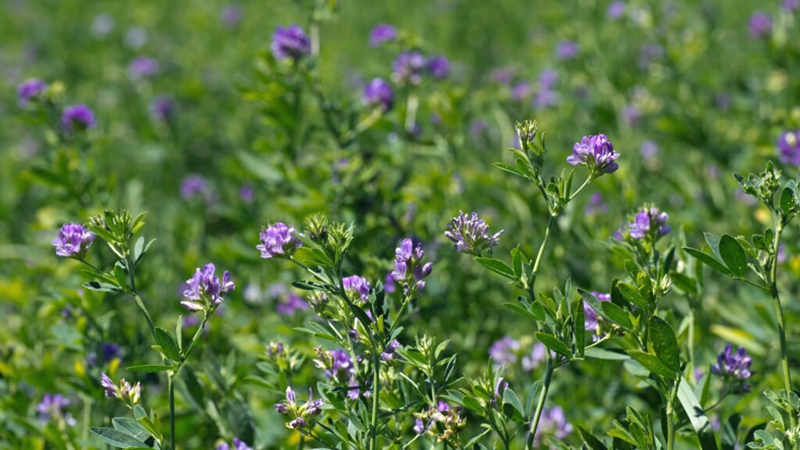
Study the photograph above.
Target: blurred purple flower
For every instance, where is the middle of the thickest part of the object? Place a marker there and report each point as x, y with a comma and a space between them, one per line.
162, 108
502, 75
382, 33
631, 114
552, 422
388, 352
723, 101
408, 68
247, 193
649, 149
78, 117
53, 407
537, 355
291, 304
547, 78
231, 15
760, 25
616, 10
567, 49
521, 91
356, 287
136, 37
477, 127
290, 43
439, 67
790, 5
596, 205
143, 67
30, 91
650, 53
789, 147
238, 444
195, 186
504, 351
378, 93
590, 315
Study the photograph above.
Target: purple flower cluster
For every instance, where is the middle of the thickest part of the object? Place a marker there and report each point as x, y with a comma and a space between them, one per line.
73, 241
789, 147
238, 444
616, 10
290, 43
388, 352
231, 15
205, 290
278, 241
125, 392
470, 234
595, 152
53, 406
409, 270
195, 186
760, 25
537, 355
381, 34
106, 352
30, 91
78, 117
596, 205
162, 108
291, 304
408, 68
567, 50
378, 93
553, 422
546, 96
356, 288
439, 67
142, 67
733, 365
504, 351
590, 316
300, 414
649, 221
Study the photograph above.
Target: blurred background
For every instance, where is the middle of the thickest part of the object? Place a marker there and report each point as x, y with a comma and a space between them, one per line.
201, 136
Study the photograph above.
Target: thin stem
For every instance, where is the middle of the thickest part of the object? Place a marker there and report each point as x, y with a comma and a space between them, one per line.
535, 269
670, 426
87, 416
194, 340
375, 394
548, 375
140, 304
362, 126
585, 183
411, 113
171, 411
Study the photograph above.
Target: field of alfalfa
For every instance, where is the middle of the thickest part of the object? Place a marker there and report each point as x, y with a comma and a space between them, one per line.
442, 224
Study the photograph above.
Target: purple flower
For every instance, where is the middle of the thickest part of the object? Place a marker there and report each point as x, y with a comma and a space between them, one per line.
790, 5
521, 91
78, 117
502, 75
567, 50
378, 93
30, 91
504, 351
231, 16
552, 422
547, 79
596, 204
596, 153
649, 149
53, 407
537, 355
649, 221
278, 241
162, 108
125, 392
388, 352
477, 127
247, 193
290, 43
470, 234
631, 114
195, 186
291, 304
439, 67
760, 24
143, 67
341, 363
409, 270
545, 98
382, 33
408, 68
108, 352
388, 284
205, 290
590, 316
73, 241
650, 53
789, 147
733, 365
615, 10
238, 444
300, 414
356, 288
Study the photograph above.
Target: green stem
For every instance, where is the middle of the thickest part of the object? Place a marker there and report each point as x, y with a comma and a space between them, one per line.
171, 411
585, 183
548, 375
140, 304
776, 303
411, 113
376, 369
535, 269
194, 340
670, 425
362, 126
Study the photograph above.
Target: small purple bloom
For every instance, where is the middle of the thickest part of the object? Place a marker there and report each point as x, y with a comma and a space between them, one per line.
238, 444
789, 147
388, 284
231, 16
409, 270
290, 305
615, 10
290, 43
357, 287
73, 241
504, 351
78, 117
547, 79
477, 127
247, 193
649, 149
195, 186
760, 25
650, 53
521, 91
388, 352
439, 67
30, 91
567, 50
537, 355
162, 108
631, 114
596, 204
790, 5
378, 93
597, 153
552, 422
733, 365
649, 221
408, 68
591, 320
502, 75
205, 289
108, 383
470, 234
382, 33
53, 407
143, 67
278, 241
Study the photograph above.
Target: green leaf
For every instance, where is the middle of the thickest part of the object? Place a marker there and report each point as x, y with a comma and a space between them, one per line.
498, 267
617, 315
510, 398
632, 295
652, 363
520, 308
554, 344
168, 346
591, 442
601, 353
733, 255
580, 327
509, 168
665, 346
708, 260
117, 439
101, 287
697, 416
149, 368
130, 427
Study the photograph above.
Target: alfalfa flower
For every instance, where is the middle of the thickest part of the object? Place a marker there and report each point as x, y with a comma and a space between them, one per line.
130, 395
733, 365
78, 117
290, 43
470, 234
31, 91
648, 222
789, 147
300, 414
54, 407
205, 290
143, 67
409, 271
595, 152
408, 68
378, 93
73, 241
553, 422
439, 67
356, 288
278, 241
238, 444
382, 33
